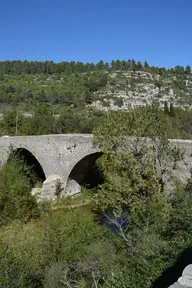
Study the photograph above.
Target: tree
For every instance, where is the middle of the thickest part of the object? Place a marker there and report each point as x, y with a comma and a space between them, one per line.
128, 63
118, 65
132, 186
133, 64
188, 69
106, 65
139, 65
124, 167
124, 65
179, 69
146, 65
100, 65
113, 64
16, 201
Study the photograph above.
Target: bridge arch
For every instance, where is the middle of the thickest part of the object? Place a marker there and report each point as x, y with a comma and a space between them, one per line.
31, 160
84, 173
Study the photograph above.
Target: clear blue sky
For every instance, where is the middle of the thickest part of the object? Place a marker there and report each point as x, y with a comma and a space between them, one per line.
159, 31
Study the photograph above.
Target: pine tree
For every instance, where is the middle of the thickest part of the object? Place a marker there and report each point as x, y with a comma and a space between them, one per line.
146, 65
128, 63
188, 69
133, 64
139, 65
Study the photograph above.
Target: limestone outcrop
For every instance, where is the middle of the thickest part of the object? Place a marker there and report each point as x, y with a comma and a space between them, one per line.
126, 90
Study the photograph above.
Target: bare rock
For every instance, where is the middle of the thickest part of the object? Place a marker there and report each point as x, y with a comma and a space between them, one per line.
49, 187
72, 187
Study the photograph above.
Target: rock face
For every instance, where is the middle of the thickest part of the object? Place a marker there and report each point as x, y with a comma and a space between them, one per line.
126, 90
185, 281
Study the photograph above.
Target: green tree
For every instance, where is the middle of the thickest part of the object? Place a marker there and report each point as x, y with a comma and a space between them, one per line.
179, 69
118, 65
128, 63
16, 201
146, 65
139, 65
188, 69
100, 65
133, 64
121, 168
132, 189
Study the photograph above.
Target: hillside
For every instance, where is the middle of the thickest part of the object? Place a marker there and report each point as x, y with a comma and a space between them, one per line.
48, 98
120, 85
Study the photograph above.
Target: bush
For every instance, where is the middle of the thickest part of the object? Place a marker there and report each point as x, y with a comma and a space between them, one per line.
118, 101
16, 201
65, 241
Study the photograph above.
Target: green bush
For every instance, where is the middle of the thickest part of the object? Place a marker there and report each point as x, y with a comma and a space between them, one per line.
118, 101
16, 201
69, 240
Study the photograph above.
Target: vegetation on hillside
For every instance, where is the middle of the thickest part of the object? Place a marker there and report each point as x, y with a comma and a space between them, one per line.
45, 97
26, 85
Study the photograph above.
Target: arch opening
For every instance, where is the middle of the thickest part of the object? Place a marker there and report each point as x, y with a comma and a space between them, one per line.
31, 161
86, 173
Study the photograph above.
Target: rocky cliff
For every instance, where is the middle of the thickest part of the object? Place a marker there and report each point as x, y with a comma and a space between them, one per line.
126, 90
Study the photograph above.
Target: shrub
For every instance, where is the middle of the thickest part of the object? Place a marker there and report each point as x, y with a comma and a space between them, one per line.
16, 201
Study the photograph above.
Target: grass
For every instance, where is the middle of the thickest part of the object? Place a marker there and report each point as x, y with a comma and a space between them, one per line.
67, 202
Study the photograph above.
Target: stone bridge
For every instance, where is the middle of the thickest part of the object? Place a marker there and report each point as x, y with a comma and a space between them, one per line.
71, 158
67, 157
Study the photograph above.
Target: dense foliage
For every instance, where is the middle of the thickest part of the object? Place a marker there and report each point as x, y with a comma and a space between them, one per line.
76, 120
70, 248
67, 89
16, 182
69, 121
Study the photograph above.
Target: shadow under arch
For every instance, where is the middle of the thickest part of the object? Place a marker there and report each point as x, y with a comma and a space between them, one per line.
30, 160
171, 274
86, 172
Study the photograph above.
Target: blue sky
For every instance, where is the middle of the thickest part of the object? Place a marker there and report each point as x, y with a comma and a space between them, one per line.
159, 31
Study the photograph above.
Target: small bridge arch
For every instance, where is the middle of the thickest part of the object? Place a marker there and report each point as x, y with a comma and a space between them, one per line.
30, 159
85, 172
